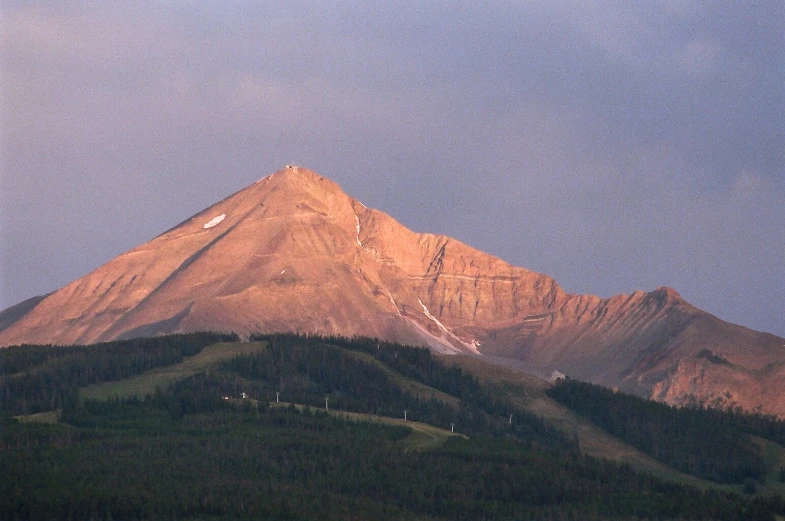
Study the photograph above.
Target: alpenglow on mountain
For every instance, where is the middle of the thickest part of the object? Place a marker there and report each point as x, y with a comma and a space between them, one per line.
293, 252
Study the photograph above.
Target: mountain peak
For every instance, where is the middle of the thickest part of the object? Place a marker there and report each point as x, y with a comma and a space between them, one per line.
666, 294
292, 171
298, 176
669, 292
293, 252
295, 185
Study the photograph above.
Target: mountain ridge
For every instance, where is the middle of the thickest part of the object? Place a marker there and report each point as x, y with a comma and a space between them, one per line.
293, 252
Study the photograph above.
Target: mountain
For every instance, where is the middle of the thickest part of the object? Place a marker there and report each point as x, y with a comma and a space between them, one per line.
293, 252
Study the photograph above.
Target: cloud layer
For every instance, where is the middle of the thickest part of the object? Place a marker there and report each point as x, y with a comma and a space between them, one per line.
612, 145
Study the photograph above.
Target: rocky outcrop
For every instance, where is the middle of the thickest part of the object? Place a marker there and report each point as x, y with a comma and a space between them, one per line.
293, 252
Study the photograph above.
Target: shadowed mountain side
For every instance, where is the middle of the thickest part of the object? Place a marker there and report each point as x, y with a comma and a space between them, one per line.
293, 252
10, 315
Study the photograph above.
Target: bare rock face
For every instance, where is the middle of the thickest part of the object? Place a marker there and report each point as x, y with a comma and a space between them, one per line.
293, 252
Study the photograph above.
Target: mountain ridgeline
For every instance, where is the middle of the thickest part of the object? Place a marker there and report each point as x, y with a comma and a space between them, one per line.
294, 253
295, 427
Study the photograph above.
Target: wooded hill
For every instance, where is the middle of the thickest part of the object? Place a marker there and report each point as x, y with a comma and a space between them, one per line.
172, 437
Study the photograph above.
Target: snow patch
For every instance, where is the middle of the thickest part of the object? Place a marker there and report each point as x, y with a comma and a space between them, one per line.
357, 220
397, 311
433, 318
438, 344
215, 221
472, 347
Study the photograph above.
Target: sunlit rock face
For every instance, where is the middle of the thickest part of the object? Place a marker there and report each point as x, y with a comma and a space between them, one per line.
293, 252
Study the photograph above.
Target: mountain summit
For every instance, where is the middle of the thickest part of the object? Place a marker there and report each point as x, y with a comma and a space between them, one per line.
293, 252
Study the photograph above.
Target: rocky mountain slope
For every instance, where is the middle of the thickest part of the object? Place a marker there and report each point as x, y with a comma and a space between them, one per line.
293, 252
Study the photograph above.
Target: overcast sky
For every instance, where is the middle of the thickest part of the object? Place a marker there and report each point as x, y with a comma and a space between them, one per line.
614, 145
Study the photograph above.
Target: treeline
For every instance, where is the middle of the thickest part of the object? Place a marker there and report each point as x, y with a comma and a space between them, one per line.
308, 369
419, 364
702, 442
764, 425
138, 460
309, 373
42, 378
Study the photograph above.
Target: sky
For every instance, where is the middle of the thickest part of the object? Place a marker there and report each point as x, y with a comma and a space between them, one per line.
616, 145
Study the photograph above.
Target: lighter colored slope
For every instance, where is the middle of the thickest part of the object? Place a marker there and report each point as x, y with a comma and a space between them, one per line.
84, 310
292, 230
528, 392
162, 377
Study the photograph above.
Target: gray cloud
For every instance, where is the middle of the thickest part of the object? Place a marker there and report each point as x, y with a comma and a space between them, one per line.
614, 145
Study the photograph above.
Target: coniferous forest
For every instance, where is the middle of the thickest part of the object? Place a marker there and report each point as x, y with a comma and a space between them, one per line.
197, 449
710, 443
42, 378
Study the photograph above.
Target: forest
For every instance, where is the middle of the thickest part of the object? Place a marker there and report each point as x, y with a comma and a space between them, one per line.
43, 378
188, 452
710, 443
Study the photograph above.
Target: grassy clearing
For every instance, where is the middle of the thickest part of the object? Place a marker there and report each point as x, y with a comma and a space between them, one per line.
596, 442
424, 436
491, 373
40, 417
160, 378
774, 456
528, 392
